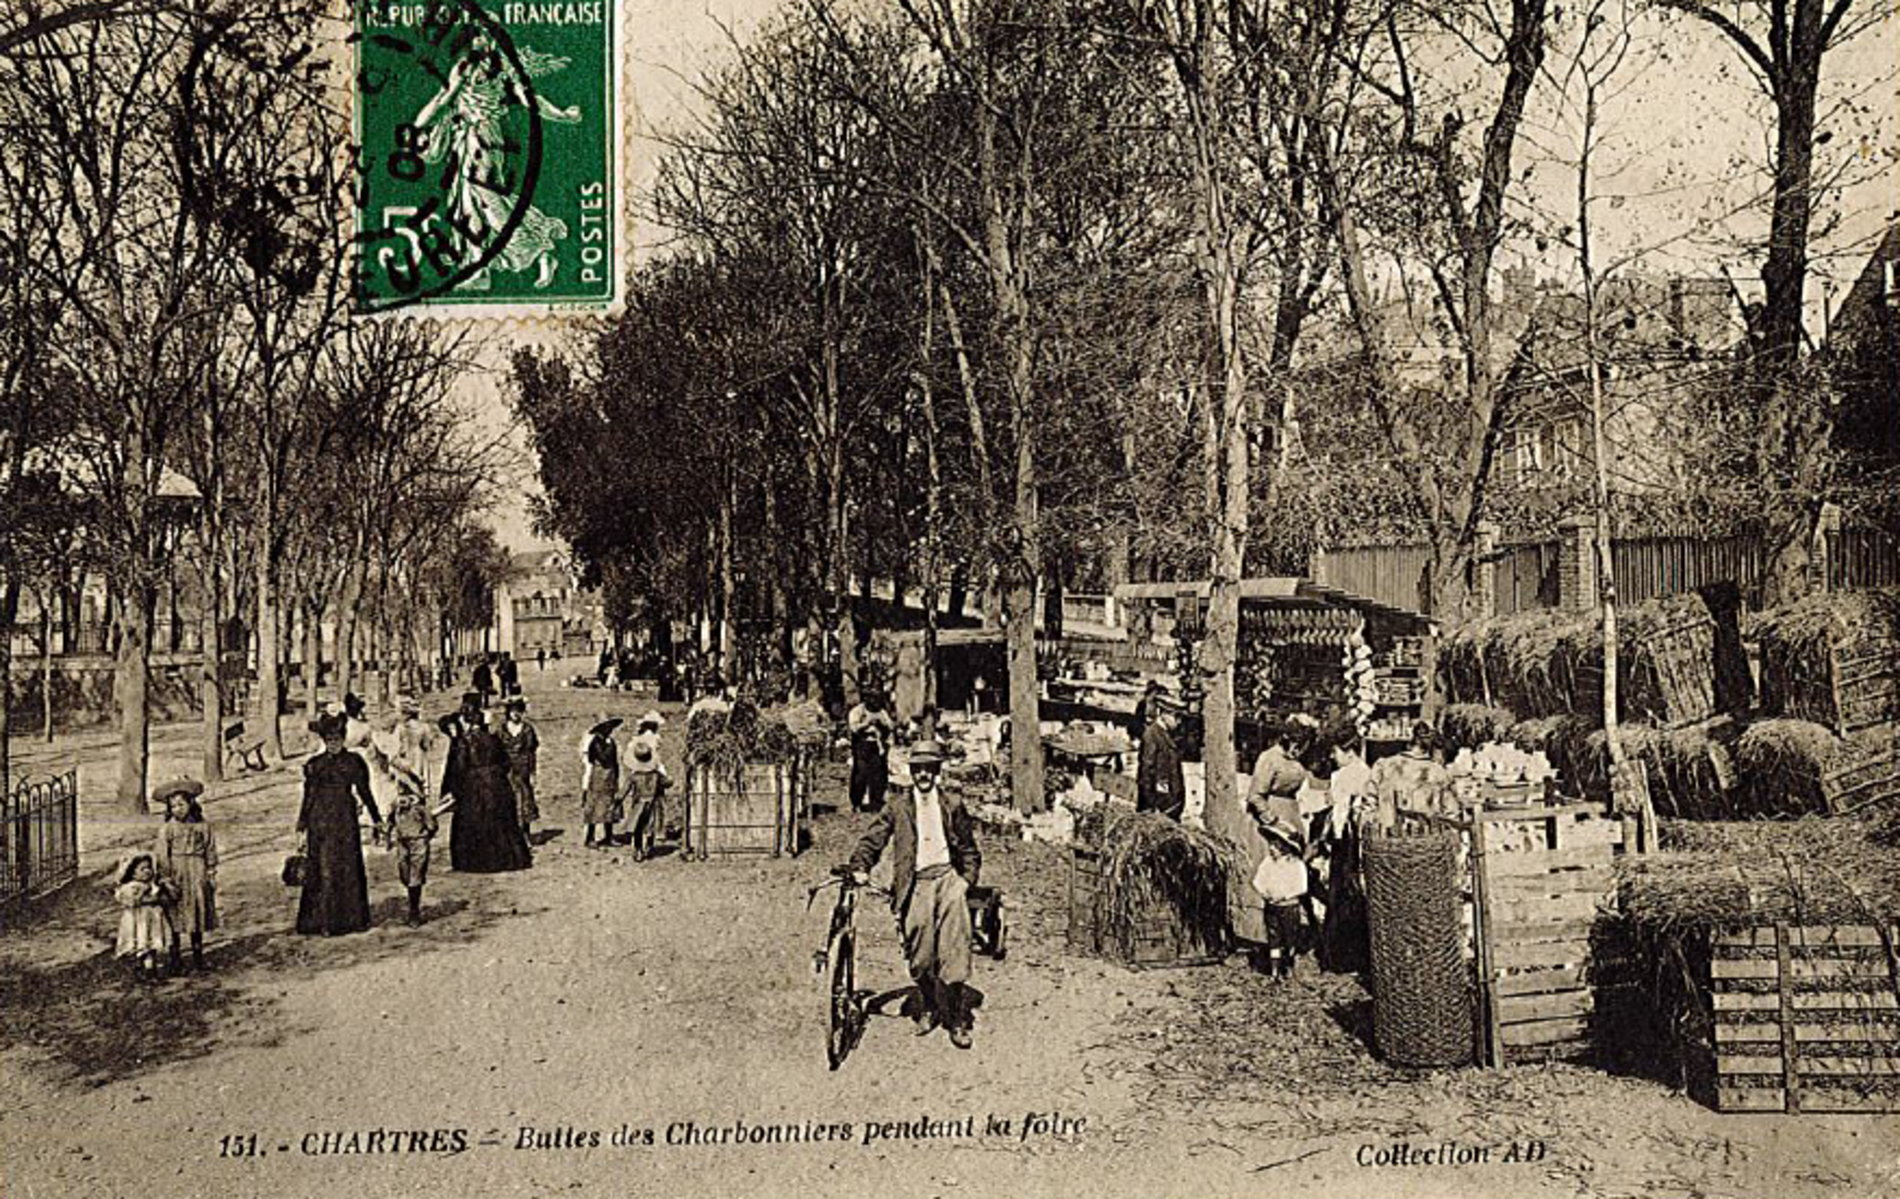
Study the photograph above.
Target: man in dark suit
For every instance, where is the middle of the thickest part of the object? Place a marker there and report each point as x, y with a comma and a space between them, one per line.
934, 862
1160, 785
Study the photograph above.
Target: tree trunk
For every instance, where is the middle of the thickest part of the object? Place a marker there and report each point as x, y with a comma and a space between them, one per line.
211, 607
134, 665
56, 595
270, 649
1019, 601
346, 623
136, 623
933, 495
728, 500
312, 658
839, 583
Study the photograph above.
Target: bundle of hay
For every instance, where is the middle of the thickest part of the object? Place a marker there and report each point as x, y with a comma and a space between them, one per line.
1152, 865
1802, 645
1468, 726
1783, 765
807, 722
1740, 874
725, 740
1677, 663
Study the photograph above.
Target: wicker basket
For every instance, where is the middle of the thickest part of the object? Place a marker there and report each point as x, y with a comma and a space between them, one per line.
1421, 990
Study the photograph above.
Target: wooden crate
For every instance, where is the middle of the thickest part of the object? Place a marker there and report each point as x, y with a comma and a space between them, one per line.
1866, 687
1868, 776
755, 813
1155, 936
1807, 1018
1085, 871
1543, 882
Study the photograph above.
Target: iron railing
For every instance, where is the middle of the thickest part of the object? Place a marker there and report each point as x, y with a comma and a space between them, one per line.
40, 829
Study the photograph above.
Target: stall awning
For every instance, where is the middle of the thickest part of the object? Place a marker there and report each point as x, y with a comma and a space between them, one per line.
1274, 591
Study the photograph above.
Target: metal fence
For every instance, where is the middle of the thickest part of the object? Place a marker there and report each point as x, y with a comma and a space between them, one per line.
40, 827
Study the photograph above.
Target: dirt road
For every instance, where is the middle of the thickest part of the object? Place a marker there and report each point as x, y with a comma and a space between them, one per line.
599, 1026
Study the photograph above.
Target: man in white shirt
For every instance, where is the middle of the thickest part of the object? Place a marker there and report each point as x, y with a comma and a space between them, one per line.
934, 862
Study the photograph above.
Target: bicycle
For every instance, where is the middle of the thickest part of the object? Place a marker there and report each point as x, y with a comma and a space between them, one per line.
848, 1006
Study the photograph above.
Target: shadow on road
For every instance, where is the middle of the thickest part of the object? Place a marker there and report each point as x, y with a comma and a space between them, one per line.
90, 1023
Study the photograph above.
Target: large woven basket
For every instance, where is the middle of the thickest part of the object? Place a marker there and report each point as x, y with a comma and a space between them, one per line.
1421, 991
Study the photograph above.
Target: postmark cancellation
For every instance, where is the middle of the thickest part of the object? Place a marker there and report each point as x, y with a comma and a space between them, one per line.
488, 158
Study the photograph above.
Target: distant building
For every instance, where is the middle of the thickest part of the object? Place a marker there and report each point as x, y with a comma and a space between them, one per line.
1863, 346
539, 607
1658, 342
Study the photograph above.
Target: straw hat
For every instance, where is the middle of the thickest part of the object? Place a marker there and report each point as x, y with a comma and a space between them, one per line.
189, 788
652, 720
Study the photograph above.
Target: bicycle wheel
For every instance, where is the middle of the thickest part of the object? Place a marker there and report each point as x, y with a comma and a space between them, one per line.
841, 1029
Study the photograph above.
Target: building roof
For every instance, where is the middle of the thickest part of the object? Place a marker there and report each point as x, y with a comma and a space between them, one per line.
1281, 591
538, 561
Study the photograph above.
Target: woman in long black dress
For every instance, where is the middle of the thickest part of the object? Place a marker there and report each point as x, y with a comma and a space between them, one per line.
485, 836
335, 895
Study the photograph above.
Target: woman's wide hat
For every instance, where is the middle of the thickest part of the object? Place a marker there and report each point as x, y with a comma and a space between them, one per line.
606, 724
330, 724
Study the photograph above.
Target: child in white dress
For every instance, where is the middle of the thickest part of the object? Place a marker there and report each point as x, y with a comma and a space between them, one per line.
145, 930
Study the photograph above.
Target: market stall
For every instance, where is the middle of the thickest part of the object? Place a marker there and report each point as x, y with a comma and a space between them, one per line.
1308, 648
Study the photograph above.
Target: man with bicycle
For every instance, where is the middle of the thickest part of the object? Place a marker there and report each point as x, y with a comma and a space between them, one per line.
934, 862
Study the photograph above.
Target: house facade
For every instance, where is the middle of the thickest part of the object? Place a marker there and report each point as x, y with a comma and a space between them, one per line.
539, 610
1659, 341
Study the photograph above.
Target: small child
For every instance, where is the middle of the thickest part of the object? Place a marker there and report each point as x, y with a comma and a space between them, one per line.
1281, 881
186, 858
646, 787
412, 824
144, 929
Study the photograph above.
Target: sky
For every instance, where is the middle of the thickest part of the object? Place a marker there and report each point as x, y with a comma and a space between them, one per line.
1681, 127
667, 41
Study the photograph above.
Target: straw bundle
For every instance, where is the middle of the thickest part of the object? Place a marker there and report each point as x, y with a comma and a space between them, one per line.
724, 741
1739, 874
1800, 642
1673, 668
1151, 862
1782, 764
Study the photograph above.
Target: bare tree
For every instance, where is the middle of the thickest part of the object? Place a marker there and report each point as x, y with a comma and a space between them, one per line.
1785, 45
1447, 480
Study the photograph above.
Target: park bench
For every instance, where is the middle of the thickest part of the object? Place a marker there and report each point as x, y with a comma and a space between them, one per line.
249, 751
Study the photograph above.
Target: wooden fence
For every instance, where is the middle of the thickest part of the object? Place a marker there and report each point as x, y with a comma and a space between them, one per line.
1649, 567
1525, 575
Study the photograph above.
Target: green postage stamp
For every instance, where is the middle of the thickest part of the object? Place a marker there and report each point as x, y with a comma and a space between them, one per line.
487, 158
